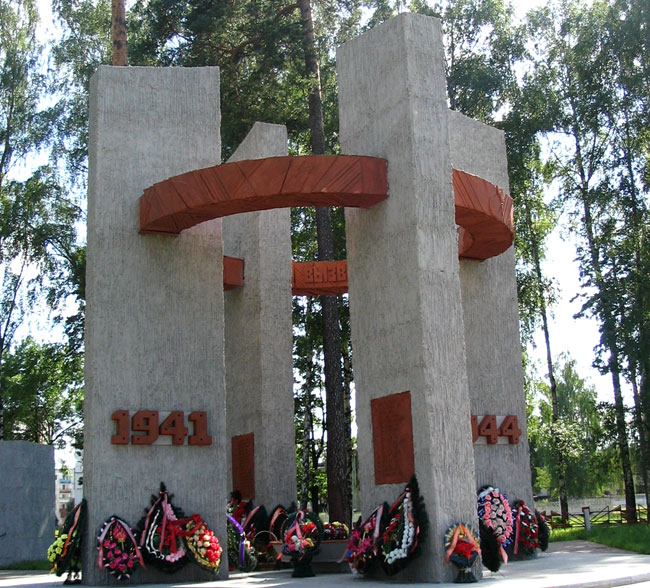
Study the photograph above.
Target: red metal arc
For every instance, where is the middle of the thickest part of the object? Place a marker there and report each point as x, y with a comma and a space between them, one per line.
484, 212
261, 184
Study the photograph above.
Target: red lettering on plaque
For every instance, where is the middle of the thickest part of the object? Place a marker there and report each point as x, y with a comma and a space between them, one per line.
392, 436
243, 465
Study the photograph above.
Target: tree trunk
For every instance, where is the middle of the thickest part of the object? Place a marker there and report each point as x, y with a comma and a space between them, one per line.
555, 415
639, 348
118, 32
339, 503
608, 323
306, 453
643, 438
609, 338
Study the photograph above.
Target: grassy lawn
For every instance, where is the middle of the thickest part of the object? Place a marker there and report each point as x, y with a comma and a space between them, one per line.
629, 537
43, 565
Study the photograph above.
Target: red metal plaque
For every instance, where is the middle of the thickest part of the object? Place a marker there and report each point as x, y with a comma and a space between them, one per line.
319, 278
243, 465
392, 436
233, 272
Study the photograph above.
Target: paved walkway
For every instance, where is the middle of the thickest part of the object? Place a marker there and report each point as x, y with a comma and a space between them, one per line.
576, 564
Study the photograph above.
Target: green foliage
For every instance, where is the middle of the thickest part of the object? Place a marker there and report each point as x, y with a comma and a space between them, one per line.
259, 49
580, 435
85, 44
36, 218
43, 393
588, 56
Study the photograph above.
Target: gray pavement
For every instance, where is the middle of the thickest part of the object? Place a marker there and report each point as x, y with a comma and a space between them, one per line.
576, 564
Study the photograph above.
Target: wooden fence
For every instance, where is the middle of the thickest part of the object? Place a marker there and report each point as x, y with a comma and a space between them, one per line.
605, 516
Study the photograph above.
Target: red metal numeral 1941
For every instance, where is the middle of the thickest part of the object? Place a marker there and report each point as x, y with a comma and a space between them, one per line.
145, 423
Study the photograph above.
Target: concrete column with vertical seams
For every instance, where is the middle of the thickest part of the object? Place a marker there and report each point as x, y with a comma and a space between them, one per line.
258, 323
154, 317
491, 321
404, 285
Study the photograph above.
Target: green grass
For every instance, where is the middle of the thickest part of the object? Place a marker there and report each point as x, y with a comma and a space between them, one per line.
629, 537
29, 565
569, 534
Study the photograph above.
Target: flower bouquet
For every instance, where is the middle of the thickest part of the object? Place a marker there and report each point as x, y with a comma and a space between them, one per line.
402, 536
335, 531
363, 546
462, 549
117, 549
203, 544
494, 510
65, 553
302, 534
161, 534
526, 530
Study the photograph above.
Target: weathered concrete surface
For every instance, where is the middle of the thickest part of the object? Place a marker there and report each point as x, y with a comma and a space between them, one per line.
154, 326
491, 321
404, 285
258, 323
27, 495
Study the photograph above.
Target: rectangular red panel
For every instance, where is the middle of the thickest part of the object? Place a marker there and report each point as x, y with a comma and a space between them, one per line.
392, 437
233, 272
243, 465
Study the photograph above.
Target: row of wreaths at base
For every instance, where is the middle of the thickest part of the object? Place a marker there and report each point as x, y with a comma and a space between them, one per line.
503, 529
165, 538
392, 535
255, 534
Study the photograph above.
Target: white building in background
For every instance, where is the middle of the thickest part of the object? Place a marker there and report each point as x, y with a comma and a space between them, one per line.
69, 487
78, 476
64, 495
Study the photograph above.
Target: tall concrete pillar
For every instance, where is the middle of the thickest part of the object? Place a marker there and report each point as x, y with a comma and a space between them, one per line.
154, 316
259, 372
491, 321
404, 284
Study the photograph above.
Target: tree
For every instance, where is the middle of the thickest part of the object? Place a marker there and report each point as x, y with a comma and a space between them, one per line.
578, 432
577, 65
43, 386
36, 220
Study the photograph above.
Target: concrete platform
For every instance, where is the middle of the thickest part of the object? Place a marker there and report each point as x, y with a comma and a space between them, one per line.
576, 564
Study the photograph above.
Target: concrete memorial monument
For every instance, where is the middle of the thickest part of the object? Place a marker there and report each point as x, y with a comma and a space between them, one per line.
186, 387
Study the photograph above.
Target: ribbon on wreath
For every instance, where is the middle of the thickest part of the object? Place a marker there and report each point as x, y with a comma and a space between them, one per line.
517, 529
242, 547
71, 531
170, 529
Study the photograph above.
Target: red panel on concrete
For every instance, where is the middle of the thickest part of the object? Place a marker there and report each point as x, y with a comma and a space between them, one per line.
243, 465
233, 272
319, 278
392, 437
484, 211
261, 184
